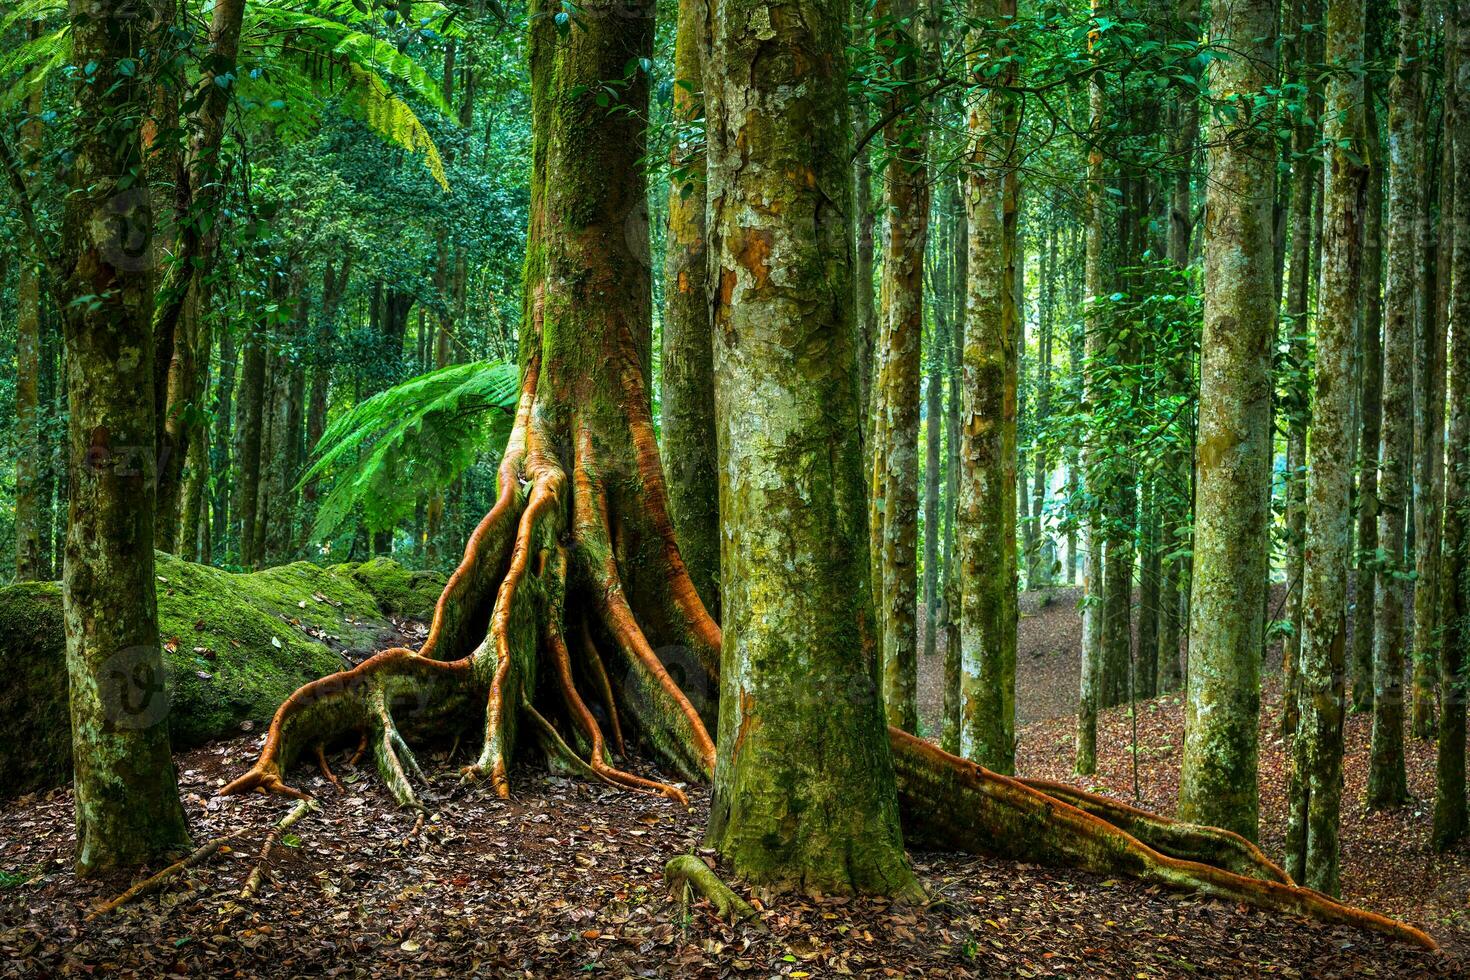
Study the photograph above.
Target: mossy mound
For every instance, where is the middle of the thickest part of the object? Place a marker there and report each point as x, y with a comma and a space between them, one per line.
236, 645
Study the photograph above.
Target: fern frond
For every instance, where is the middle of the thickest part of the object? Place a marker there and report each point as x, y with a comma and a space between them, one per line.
416, 437
371, 102
34, 59
370, 54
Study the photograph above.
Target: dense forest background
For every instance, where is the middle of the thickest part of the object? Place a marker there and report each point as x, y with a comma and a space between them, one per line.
1162, 307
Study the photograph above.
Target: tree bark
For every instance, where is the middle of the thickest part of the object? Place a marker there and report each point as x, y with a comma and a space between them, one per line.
1370, 415
30, 553
1094, 263
1315, 794
804, 793
986, 531
1218, 775
906, 199
687, 403
127, 802
1387, 781
1450, 820
1430, 352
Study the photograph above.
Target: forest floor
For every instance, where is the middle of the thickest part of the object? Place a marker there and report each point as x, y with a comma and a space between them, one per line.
565, 878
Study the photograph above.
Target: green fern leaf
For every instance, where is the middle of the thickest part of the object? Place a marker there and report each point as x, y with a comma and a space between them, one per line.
416, 437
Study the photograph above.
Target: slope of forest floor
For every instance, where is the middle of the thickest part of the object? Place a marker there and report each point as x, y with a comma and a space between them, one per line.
565, 879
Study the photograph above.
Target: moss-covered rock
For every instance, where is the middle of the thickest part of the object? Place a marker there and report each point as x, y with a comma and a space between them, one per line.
235, 645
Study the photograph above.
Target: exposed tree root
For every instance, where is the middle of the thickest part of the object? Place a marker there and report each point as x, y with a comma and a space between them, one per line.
257, 873
1224, 849
687, 873
579, 545
156, 882
951, 803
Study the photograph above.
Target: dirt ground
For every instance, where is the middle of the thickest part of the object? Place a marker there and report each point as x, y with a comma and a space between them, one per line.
566, 879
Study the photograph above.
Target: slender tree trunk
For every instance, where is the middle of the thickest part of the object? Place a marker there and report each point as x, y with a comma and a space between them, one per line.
246, 454
1315, 796
933, 442
959, 290
1218, 775
804, 788
1295, 404
30, 563
901, 331
687, 404
1039, 572
199, 180
1146, 671
1429, 413
220, 461
127, 803
1387, 781
195, 479
1091, 529
986, 532
1370, 415
1450, 819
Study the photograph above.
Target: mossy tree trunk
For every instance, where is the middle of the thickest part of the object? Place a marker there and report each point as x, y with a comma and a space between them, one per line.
1387, 780
1094, 263
127, 803
985, 526
1370, 419
687, 402
804, 793
1450, 819
1218, 776
1303, 52
900, 336
30, 552
1315, 796
1430, 352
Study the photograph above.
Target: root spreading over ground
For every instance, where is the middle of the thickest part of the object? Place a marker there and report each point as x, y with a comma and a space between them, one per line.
563, 630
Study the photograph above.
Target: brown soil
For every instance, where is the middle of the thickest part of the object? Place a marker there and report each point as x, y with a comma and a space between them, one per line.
566, 878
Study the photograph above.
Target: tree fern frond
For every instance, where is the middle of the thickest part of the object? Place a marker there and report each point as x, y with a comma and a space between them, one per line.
34, 59
416, 437
370, 54
370, 101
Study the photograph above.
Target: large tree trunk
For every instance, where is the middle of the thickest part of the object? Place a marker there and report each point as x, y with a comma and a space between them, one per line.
1315, 796
127, 803
1450, 820
1387, 781
1218, 777
687, 409
804, 790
